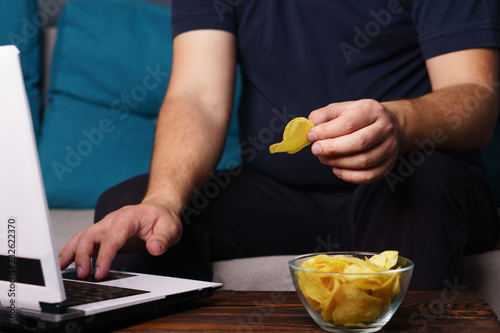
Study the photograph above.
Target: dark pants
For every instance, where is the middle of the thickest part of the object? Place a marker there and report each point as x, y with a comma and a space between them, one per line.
433, 213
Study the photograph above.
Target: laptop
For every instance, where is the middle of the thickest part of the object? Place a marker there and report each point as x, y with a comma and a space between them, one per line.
34, 294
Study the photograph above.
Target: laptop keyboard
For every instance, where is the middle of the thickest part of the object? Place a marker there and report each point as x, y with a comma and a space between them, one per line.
79, 293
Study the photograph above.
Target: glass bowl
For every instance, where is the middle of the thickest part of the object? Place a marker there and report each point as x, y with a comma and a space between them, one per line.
351, 302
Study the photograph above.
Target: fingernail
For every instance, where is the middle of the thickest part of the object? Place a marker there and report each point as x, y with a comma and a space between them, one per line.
337, 172
311, 136
97, 271
158, 244
79, 270
316, 149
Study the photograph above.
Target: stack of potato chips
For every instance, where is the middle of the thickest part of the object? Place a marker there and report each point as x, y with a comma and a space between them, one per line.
350, 299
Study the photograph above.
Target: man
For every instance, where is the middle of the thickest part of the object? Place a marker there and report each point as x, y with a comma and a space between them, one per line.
402, 95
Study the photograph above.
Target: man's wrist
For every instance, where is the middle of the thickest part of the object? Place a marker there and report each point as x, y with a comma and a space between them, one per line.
400, 111
166, 200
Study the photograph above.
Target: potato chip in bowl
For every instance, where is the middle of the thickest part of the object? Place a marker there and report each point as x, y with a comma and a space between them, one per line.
351, 291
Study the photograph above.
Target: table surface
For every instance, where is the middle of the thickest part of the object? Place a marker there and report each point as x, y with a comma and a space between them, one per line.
235, 311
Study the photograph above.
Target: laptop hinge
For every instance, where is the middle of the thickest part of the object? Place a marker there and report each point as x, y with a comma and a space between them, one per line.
54, 308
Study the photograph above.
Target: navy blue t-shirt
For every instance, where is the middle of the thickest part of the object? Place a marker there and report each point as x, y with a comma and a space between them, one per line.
300, 55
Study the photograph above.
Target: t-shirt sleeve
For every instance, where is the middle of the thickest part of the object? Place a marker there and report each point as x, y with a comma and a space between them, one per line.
203, 14
445, 26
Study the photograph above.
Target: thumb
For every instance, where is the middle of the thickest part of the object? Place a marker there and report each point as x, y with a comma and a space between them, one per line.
164, 236
156, 245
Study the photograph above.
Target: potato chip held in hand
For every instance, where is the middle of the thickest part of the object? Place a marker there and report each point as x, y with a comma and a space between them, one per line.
294, 137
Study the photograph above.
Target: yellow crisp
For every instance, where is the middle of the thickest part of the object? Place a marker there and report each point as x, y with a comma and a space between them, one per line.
354, 307
350, 300
294, 137
386, 259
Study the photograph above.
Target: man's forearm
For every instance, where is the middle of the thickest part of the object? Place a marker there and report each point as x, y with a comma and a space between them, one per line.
187, 147
465, 114
193, 120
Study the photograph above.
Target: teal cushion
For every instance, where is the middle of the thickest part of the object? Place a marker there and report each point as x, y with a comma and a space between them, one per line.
110, 71
20, 25
92, 150
231, 156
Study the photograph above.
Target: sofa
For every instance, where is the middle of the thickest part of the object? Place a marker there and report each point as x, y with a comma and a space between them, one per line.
91, 135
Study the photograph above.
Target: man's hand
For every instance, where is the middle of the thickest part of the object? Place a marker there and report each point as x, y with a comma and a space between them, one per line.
124, 230
359, 139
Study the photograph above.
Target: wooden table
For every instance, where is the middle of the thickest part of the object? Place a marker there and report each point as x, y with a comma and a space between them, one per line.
231, 311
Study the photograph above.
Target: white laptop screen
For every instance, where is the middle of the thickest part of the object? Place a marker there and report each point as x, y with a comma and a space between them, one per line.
28, 259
